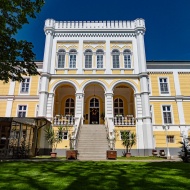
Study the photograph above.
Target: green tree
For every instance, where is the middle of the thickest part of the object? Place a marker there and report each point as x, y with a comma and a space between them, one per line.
16, 57
128, 140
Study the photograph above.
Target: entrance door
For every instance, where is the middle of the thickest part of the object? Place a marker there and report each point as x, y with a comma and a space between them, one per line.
94, 111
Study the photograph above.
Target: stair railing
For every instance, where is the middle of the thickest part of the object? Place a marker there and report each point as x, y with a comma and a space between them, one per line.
77, 132
110, 135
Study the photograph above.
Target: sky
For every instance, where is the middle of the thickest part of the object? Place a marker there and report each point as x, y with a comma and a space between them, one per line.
167, 34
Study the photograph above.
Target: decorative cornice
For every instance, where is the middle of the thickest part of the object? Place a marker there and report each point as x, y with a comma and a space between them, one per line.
94, 34
160, 72
183, 72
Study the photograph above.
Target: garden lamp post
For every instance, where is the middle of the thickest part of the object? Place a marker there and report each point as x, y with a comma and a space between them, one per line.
166, 128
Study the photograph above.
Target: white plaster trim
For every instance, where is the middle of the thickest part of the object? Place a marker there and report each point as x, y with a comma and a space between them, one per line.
63, 82
176, 83
168, 81
126, 82
172, 115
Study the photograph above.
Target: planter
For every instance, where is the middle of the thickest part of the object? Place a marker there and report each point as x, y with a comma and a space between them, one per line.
128, 155
71, 154
53, 154
111, 154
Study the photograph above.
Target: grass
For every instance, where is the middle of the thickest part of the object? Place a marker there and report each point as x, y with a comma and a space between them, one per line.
141, 158
94, 175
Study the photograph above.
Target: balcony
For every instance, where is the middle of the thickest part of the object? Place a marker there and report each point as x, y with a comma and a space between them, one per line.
61, 120
120, 120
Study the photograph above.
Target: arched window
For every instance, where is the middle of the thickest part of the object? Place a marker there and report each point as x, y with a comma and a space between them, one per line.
70, 107
115, 55
127, 58
88, 58
99, 58
72, 58
118, 107
94, 103
61, 58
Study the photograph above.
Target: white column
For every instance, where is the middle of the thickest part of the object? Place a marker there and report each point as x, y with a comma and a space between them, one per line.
135, 56
179, 98
80, 57
108, 57
43, 94
50, 103
79, 104
139, 124
10, 99
147, 125
109, 109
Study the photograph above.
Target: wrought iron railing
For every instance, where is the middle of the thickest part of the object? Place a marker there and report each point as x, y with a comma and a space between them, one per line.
128, 120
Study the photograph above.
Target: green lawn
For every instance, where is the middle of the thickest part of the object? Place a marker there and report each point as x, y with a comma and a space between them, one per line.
94, 175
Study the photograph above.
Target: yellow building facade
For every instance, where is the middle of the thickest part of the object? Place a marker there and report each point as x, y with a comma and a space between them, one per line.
96, 73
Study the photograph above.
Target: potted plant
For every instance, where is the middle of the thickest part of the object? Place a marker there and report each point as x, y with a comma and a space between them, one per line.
128, 140
71, 154
53, 139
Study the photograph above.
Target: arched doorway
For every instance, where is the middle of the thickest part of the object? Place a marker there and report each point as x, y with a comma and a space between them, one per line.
94, 111
94, 104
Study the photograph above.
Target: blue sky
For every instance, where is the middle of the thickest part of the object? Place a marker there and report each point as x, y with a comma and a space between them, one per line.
167, 23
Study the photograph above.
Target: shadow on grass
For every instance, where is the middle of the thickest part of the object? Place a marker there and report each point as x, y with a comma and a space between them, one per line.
94, 175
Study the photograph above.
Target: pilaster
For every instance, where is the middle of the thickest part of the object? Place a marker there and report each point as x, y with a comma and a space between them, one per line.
79, 104
108, 57
80, 57
50, 105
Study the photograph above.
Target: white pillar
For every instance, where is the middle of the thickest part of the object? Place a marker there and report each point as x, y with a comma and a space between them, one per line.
179, 98
80, 57
108, 57
10, 99
146, 118
79, 103
50, 106
43, 94
109, 109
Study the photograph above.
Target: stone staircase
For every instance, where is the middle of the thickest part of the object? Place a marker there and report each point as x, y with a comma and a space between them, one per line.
92, 143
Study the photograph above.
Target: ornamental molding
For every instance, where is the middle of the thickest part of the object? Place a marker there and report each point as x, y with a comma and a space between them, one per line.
183, 72
81, 34
160, 72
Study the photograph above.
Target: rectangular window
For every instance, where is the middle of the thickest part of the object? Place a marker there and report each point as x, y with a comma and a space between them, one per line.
115, 61
65, 135
25, 85
88, 61
72, 63
167, 115
124, 133
164, 86
21, 111
170, 138
61, 61
127, 61
99, 61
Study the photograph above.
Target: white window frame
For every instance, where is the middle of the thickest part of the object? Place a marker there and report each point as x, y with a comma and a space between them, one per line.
162, 93
59, 53
88, 52
23, 111
118, 106
21, 85
100, 52
167, 138
114, 64
127, 52
171, 110
72, 52
69, 107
